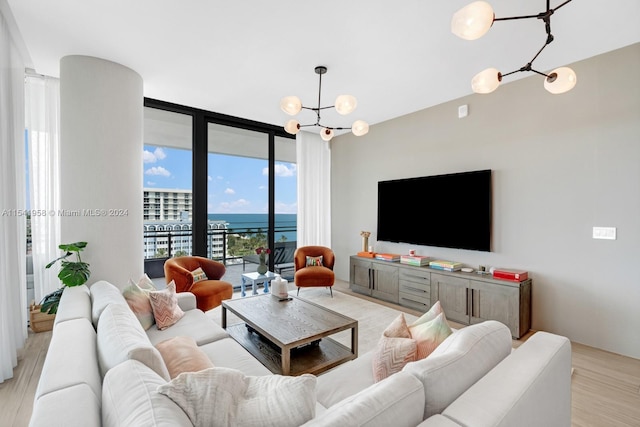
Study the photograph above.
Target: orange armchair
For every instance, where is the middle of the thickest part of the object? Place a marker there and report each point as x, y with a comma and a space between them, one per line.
308, 276
209, 293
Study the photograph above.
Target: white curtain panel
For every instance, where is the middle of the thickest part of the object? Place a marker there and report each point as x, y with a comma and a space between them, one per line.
314, 190
42, 118
13, 292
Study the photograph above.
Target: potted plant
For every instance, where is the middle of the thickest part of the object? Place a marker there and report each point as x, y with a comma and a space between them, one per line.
72, 273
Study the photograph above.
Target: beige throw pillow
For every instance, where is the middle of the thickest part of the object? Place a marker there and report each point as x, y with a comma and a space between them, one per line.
137, 296
226, 397
182, 354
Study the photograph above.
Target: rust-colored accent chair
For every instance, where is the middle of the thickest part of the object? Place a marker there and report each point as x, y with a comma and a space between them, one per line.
308, 276
209, 293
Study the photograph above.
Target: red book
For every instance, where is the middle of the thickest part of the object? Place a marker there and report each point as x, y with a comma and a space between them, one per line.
513, 275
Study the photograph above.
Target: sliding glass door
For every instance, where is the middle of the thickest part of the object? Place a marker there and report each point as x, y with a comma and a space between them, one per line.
227, 185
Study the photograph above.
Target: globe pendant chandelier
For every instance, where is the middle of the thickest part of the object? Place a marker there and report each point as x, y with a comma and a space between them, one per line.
474, 20
344, 104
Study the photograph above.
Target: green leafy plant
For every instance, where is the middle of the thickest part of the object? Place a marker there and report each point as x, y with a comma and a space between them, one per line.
72, 273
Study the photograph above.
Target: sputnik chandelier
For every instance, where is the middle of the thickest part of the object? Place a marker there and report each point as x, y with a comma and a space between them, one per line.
344, 104
474, 20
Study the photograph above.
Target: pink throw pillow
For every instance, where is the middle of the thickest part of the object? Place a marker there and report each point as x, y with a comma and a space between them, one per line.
165, 306
395, 349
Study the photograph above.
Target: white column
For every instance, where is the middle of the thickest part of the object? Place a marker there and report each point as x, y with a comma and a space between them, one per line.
101, 126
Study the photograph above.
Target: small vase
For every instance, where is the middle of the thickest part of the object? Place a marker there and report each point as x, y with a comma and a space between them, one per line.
262, 267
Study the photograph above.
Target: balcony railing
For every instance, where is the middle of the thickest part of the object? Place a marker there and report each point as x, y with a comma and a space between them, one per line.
163, 244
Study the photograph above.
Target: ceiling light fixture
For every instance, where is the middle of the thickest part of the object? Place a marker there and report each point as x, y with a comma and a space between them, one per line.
344, 104
474, 20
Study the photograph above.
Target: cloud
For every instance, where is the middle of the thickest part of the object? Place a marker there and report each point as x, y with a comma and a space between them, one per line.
151, 183
157, 170
159, 153
209, 178
286, 208
149, 157
283, 170
237, 206
229, 191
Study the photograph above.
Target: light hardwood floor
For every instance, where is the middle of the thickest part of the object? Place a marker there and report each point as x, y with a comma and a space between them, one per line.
605, 386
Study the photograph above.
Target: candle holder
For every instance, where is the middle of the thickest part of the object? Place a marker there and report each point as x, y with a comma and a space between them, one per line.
365, 240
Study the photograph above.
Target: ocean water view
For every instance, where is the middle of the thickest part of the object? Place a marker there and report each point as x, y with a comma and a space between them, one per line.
286, 224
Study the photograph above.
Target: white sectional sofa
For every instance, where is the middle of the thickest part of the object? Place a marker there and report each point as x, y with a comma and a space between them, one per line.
102, 369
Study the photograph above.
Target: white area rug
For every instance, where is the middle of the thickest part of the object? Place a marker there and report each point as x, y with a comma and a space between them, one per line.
372, 318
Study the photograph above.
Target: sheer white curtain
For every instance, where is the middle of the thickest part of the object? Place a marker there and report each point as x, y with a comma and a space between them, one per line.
42, 119
13, 292
314, 190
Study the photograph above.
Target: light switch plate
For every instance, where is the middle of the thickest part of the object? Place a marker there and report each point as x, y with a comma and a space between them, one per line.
607, 233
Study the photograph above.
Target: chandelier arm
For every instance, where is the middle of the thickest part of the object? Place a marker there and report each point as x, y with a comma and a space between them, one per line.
327, 127
549, 40
558, 7
316, 109
511, 18
539, 72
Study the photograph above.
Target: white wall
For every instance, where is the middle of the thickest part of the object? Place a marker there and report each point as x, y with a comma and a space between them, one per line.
101, 165
561, 165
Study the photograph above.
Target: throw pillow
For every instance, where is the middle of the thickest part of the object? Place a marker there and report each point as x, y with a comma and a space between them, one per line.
137, 296
433, 312
164, 303
198, 275
314, 261
146, 283
272, 400
182, 354
395, 349
429, 335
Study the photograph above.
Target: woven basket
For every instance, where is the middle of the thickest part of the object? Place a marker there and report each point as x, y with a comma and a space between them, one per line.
39, 321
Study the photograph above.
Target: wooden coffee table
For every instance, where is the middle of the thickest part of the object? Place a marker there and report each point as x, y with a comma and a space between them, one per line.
290, 337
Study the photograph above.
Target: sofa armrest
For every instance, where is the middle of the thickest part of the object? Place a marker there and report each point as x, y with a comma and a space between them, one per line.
530, 387
396, 401
186, 301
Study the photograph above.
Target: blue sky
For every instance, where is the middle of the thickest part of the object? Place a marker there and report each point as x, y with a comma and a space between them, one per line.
235, 184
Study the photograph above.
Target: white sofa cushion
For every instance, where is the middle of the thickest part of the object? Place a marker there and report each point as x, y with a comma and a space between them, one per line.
462, 359
75, 406
103, 293
229, 354
71, 359
395, 401
345, 380
121, 337
129, 398
193, 324
529, 388
75, 303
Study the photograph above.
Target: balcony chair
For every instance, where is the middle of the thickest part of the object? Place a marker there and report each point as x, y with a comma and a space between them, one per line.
210, 292
308, 276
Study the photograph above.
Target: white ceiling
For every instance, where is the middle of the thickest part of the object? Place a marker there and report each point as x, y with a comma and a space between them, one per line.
240, 57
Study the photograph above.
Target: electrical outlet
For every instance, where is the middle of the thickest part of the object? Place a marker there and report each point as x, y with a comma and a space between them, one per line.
607, 233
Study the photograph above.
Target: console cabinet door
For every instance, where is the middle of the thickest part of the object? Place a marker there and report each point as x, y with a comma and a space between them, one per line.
452, 292
360, 276
504, 303
385, 282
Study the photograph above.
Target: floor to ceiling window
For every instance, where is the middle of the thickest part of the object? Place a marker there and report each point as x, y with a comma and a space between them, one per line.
242, 188
167, 187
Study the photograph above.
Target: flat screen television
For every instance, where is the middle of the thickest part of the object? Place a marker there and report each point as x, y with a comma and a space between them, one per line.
450, 211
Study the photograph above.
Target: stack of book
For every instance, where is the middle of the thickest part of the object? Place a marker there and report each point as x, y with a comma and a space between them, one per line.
418, 260
445, 265
388, 257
